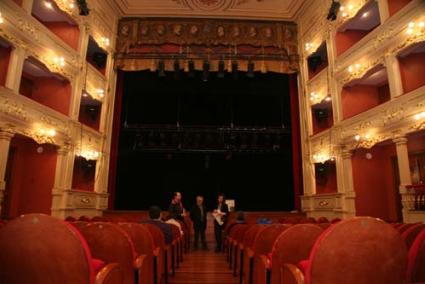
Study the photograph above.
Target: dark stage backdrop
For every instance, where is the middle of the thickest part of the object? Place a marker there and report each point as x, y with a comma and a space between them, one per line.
257, 181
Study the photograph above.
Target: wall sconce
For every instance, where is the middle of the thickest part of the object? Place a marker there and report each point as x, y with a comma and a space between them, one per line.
59, 61
1, 19
89, 155
308, 46
313, 96
354, 68
346, 11
105, 41
322, 158
100, 93
415, 28
419, 116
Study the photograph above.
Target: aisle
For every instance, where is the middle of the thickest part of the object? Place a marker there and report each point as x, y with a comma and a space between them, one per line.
202, 267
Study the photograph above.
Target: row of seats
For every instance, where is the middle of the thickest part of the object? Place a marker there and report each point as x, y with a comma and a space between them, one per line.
357, 250
37, 248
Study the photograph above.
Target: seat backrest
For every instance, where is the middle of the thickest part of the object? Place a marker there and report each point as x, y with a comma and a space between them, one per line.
107, 241
251, 235
359, 250
239, 232
293, 245
37, 248
416, 265
143, 244
264, 241
404, 227
176, 231
410, 234
322, 220
157, 236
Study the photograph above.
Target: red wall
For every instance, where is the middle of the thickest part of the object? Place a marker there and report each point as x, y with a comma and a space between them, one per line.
345, 40
395, 5
328, 183
68, 33
323, 124
4, 63
83, 177
50, 92
32, 177
374, 183
412, 69
360, 98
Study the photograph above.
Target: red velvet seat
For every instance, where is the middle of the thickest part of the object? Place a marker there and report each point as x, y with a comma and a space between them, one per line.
144, 245
110, 243
291, 247
411, 233
322, 220
162, 253
262, 249
175, 249
37, 248
237, 235
360, 250
246, 255
416, 264
402, 228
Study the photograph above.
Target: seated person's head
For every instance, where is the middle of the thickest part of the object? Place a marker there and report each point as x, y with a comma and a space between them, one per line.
154, 213
240, 216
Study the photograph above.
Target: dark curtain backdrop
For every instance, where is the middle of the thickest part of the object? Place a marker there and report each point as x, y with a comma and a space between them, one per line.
257, 181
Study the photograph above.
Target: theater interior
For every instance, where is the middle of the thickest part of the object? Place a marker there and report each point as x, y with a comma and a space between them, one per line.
306, 116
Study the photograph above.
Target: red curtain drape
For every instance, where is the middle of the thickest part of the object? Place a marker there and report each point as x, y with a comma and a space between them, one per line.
116, 127
296, 140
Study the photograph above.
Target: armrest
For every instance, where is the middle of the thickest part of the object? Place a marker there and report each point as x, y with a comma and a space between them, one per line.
139, 261
290, 274
265, 262
109, 274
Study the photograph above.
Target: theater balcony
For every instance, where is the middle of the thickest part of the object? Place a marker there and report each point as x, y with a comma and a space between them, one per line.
325, 176
83, 177
317, 61
365, 93
5, 50
354, 29
39, 84
322, 115
57, 21
96, 56
412, 65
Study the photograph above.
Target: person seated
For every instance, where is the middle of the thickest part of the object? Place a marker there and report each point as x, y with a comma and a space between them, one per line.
155, 219
174, 222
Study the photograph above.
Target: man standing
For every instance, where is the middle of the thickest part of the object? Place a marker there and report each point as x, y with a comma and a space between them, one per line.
198, 214
220, 217
176, 210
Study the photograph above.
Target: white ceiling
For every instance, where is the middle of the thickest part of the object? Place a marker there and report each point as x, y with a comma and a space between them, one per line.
244, 9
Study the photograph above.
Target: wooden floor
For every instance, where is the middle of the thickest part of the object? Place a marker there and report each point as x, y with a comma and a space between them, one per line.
202, 267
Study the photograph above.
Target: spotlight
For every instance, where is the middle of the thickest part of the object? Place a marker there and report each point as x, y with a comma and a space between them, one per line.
205, 71
235, 70
161, 68
191, 66
250, 73
333, 10
176, 69
221, 67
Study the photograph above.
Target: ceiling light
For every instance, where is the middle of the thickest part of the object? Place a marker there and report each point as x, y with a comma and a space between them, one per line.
48, 5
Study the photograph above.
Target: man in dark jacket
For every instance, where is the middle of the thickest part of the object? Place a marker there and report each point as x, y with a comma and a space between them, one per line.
155, 219
198, 214
176, 210
220, 217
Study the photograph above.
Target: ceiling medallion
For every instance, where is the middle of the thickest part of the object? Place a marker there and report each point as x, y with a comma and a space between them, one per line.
210, 5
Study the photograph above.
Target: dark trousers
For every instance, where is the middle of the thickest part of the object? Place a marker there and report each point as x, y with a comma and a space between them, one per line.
200, 231
218, 231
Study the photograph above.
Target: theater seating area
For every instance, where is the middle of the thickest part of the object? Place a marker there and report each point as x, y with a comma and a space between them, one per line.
291, 250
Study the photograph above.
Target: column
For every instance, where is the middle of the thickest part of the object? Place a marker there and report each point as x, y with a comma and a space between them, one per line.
344, 170
63, 180
384, 12
404, 174
5, 138
394, 76
14, 71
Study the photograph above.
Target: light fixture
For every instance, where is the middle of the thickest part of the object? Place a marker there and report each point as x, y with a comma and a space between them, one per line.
322, 158
43, 135
59, 61
328, 99
357, 137
100, 92
220, 73
1, 19
415, 28
313, 96
89, 155
106, 41
251, 67
346, 11
205, 71
308, 46
419, 116
48, 5
354, 68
